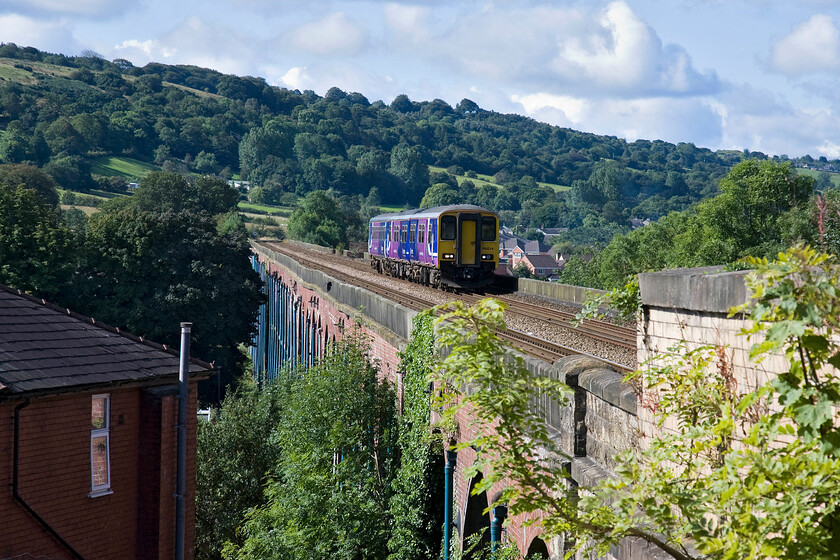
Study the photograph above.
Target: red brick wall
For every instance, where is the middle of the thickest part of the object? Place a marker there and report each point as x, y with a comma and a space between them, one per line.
314, 302
55, 478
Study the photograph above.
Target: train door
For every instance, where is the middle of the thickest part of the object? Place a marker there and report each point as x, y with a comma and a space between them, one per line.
386, 240
421, 241
403, 241
412, 240
468, 239
433, 237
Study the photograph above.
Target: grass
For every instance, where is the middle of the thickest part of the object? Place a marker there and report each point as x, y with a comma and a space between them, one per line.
24, 76
480, 180
393, 208
122, 166
271, 210
835, 177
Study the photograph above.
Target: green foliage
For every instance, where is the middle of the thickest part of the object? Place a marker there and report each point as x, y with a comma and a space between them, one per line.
170, 192
147, 272
416, 505
481, 377
32, 178
234, 457
748, 217
322, 221
36, 248
330, 490
627, 300
522, 271
735, 471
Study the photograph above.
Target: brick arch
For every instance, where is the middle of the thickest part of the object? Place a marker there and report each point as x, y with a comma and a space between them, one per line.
537, 546
475, 519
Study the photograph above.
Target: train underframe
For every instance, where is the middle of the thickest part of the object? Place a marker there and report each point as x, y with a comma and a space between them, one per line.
451, 276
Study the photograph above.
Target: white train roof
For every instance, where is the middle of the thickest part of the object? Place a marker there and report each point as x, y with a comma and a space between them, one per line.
433, 212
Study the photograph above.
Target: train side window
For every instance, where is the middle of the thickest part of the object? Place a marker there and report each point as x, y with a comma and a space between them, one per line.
422, 237
404, 229
413, 233
489, 229
448, 227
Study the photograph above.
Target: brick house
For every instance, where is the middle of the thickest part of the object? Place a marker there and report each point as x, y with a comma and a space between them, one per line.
88, 438
513, 249
542, 265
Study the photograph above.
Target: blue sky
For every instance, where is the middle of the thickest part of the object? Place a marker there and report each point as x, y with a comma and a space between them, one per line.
756, 74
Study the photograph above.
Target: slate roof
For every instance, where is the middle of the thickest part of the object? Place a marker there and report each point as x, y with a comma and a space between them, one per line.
47, 349
542, 261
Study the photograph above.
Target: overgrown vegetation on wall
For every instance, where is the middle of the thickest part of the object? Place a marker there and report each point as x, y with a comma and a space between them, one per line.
417, 504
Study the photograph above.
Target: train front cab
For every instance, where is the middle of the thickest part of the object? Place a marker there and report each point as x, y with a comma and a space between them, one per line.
468, 248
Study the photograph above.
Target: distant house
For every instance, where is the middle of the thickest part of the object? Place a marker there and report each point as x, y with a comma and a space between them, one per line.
88, 438
131, 187
542, 265
515, 248
237, 184
636, 223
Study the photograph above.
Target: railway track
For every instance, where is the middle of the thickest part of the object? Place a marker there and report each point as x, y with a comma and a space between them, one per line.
531, 345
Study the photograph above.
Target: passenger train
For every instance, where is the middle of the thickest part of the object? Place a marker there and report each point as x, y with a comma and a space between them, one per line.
445, 246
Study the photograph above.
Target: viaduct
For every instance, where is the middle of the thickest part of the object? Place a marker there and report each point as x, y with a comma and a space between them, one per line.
307, 309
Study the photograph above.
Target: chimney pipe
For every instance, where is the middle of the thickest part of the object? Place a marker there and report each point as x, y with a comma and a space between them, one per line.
181, 487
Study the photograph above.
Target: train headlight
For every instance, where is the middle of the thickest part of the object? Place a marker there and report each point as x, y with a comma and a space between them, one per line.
486, 257
448, 256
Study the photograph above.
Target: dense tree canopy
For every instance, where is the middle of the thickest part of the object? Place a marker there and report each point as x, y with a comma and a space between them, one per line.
337, 442
761, 208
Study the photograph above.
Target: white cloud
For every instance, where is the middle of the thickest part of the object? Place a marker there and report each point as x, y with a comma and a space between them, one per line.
408, 21
670, 119
52, 36
812, 46
151, 48
569, 51
334, 34
830, 150
85, 8
294, 78
196, 42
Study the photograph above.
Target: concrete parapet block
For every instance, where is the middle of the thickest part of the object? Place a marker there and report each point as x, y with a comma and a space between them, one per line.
610, 387
553, 290
708, 289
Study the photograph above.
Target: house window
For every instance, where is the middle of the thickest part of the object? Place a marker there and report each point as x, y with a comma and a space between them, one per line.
100, 460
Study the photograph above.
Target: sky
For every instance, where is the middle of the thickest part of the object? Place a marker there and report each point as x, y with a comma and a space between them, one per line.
724, 74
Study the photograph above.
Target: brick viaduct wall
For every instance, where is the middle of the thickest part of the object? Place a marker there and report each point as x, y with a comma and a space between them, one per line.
599, 419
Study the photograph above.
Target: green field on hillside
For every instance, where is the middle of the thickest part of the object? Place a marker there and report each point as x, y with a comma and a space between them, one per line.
122, 166
480, 180
835, 177
265, 209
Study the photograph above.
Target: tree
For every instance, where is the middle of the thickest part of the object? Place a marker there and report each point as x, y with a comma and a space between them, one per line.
165, 192
440, 194
330, 490
407, 165
522, 271
32, 178
740, 473
229, 482
320, 220
36, 248
149, 271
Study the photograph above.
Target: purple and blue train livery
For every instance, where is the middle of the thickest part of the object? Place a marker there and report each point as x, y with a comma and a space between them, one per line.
445, 246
